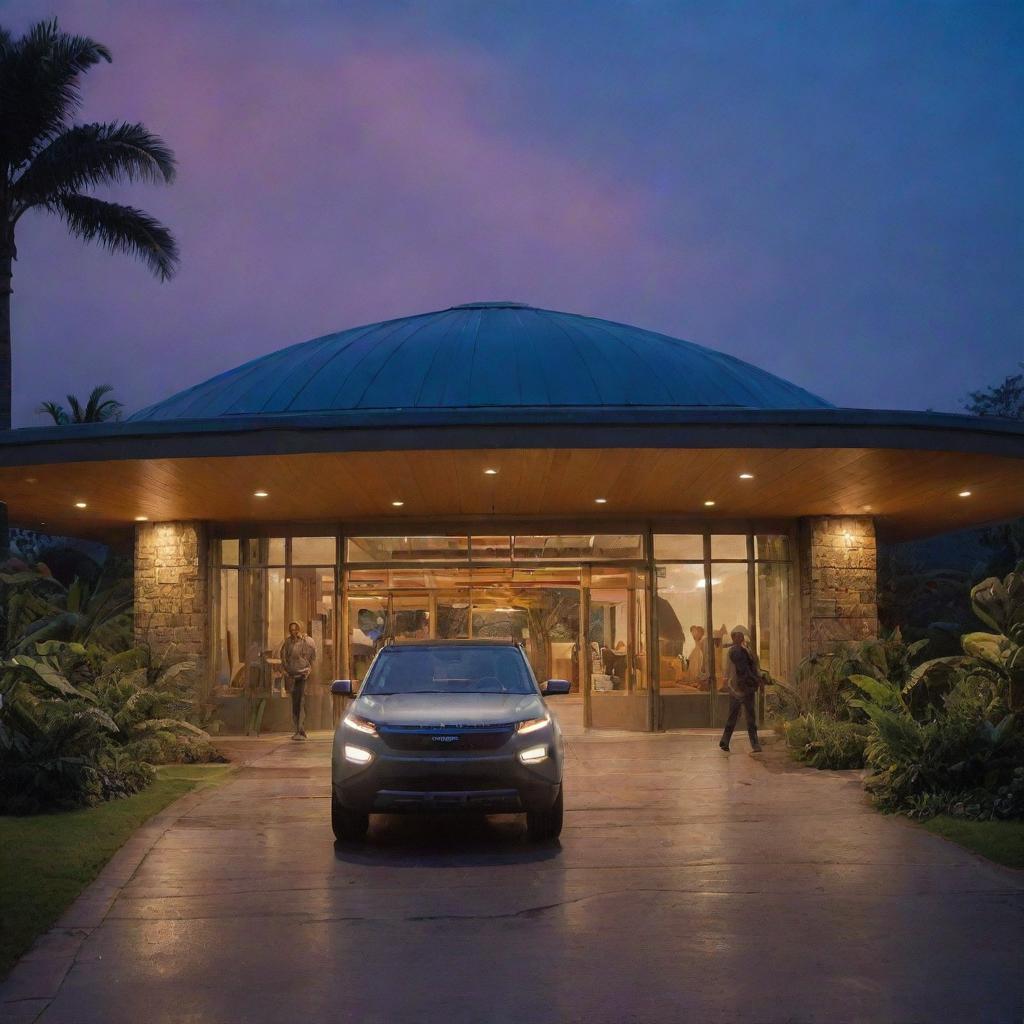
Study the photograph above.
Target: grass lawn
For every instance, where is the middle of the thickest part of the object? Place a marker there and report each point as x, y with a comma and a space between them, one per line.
1001, 841
46, 860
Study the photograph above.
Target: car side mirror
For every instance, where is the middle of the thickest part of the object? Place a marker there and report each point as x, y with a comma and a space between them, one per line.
342, 687
556, 687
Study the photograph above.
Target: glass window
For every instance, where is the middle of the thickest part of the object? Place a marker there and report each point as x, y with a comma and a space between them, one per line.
492, 549
460, 669
583, 547
229, 552
263, 551
226, 654
313, 551
311, 605
683, 642
773, 547
728, 545
406, 549
688, 547
730, 610
367, 619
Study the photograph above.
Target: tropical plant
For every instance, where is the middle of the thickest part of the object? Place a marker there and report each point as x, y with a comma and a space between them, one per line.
97, 409
47, 163
825, 742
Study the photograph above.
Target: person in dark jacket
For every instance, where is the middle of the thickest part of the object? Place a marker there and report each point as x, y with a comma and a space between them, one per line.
742, 679
298, 653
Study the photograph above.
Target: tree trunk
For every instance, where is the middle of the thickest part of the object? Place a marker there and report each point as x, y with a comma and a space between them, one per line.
6, 265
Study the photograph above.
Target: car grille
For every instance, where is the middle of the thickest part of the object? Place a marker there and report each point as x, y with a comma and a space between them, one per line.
445, 738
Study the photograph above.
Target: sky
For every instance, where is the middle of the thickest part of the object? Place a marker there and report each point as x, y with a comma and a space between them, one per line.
832, 190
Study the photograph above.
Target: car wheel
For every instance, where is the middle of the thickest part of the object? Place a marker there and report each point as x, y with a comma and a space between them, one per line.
546, 824
347, 824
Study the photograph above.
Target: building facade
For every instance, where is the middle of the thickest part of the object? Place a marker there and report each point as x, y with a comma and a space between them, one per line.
617, 501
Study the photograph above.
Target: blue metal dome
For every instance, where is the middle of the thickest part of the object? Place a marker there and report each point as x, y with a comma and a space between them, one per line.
485, 355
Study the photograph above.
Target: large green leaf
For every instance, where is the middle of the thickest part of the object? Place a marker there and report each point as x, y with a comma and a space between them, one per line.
883, 694
991, 603
48, 675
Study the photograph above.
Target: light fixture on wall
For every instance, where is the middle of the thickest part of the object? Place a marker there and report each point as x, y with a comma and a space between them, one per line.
260, 494
141, 519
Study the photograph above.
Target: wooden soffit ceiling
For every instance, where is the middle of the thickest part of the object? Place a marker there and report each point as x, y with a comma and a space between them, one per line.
911, 492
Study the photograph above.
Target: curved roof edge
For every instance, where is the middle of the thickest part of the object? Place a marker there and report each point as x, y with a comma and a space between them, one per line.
417, 430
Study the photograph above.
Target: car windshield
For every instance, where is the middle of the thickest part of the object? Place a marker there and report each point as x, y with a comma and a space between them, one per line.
462, 669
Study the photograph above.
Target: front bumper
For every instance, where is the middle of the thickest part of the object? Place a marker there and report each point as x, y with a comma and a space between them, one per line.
492, 783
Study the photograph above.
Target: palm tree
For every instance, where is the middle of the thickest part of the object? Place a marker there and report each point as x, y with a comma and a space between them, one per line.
97, 409
45, 163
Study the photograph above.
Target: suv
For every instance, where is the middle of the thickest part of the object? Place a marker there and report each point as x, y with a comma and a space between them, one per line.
448, 725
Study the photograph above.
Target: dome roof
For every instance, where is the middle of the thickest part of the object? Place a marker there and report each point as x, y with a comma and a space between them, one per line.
485, 355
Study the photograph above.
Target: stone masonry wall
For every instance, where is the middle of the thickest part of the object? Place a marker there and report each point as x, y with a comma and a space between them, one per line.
171, 599
838, 581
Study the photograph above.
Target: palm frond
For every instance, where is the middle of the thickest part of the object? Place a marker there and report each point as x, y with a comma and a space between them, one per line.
97, 411
93, 154
119, 229
55, 411
40, 87
77, 413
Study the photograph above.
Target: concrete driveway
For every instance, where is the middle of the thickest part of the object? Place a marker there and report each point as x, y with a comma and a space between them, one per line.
689, 886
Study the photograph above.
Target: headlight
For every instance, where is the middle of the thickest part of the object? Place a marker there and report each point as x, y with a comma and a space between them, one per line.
532, 724
360, 723
356, 755
534, 755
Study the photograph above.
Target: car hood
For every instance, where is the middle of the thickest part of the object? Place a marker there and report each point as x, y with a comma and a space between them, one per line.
449, 709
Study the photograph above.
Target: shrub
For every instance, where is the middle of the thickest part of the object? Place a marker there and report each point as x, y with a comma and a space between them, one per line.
824, 742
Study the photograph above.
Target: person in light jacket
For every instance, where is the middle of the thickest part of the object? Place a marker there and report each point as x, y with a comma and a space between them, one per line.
743, 680
298, 652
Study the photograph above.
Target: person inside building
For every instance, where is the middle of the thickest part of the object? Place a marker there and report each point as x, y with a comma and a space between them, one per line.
743, 680
298, 652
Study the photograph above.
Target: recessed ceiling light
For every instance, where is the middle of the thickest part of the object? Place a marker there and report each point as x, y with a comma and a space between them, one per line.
80, 504
746, 476
398, 504
708, 504
865, 508
600, 501
490, 472
964, 494
260, 494
31, 480
141, 519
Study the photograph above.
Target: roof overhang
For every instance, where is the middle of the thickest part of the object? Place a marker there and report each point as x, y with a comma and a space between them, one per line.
905, 468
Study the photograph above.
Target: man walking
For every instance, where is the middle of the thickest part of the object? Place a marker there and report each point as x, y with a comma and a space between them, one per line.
298, 652
743, 679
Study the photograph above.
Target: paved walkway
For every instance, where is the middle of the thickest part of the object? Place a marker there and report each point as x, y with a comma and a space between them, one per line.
689, 886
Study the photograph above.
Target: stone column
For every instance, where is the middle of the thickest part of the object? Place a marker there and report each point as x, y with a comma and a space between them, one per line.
171, 590
838, 581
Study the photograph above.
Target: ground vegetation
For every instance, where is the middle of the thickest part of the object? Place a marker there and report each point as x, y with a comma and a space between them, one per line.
936, 736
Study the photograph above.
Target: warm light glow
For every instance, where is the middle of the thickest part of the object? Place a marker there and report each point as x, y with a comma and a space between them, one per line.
703, 584
491, 472
965, 494
600, 501
708, 504
865, 508
362, 724
532, 725
357, 755
80, 504
746, 476
141, 519
260, 494
398, 504
534, 755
